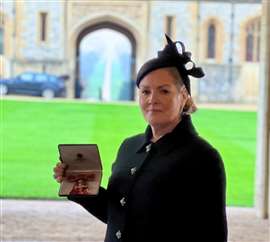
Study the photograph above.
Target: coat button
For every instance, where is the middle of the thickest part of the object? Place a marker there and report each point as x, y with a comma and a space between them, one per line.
133, 170
118, 234
123, 202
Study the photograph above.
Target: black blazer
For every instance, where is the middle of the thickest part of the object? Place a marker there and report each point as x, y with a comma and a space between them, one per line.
171, 190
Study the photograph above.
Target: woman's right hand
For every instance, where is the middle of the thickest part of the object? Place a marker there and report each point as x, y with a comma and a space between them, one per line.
59, 171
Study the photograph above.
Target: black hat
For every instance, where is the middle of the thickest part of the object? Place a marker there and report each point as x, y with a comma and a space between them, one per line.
170, 57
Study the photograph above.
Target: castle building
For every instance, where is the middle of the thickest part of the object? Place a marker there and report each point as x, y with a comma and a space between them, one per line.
223, 36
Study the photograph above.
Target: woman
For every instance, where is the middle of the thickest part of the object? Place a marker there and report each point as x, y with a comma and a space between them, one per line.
167, 184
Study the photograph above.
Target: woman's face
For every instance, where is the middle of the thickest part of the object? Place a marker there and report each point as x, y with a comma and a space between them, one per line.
161, 101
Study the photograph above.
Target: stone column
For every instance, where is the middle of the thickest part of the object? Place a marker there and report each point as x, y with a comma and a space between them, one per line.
262, 202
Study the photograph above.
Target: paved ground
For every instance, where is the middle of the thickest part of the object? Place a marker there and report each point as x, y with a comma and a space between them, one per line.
58, 221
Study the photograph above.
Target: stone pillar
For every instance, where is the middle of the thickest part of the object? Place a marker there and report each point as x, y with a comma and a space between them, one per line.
262, 202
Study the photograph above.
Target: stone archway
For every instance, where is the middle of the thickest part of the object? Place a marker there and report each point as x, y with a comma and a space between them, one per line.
103, 25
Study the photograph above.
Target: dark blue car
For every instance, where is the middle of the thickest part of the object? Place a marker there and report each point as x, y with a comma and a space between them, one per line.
37, 84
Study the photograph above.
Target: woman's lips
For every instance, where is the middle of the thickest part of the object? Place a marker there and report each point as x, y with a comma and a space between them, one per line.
154, 110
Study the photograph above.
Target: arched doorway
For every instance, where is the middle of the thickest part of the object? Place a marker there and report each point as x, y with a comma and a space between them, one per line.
110, 77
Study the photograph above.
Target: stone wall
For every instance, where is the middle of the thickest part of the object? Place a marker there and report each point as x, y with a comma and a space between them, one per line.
219, 83
31, 47
145, 20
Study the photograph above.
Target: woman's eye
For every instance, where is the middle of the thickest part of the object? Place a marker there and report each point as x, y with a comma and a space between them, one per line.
145, 92
164, 91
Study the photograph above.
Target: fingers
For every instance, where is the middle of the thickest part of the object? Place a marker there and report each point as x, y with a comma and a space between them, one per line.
59, 167
59, 179
59, 171
61, 164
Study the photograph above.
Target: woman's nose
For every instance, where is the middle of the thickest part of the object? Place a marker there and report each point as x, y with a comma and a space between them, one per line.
153, 98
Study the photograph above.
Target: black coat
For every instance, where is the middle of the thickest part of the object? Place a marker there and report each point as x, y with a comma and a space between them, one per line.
171, 191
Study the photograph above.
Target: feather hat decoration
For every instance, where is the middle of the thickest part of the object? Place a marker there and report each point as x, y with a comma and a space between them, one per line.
170, 56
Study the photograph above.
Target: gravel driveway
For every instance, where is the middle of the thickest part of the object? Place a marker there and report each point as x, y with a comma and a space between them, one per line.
55, 221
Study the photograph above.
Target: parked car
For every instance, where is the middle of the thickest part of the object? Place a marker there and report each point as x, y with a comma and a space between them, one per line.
37, 84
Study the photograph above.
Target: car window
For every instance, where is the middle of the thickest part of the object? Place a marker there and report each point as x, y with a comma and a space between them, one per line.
26, 77
53, 78
41, 78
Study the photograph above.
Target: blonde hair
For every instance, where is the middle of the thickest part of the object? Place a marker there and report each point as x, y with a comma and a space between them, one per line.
190, 107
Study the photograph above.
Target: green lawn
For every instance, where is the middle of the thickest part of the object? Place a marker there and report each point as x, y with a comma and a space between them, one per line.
31, 131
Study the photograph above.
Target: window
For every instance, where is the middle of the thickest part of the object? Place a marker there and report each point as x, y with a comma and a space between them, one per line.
258, 41
249, 46
41, 78
53, 78
211, 41
1, 41
43, 26
252, 40
26, 77
170, 26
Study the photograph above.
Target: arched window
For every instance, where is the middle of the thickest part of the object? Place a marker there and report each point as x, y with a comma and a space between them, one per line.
252, 40
211, 41
1, 41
